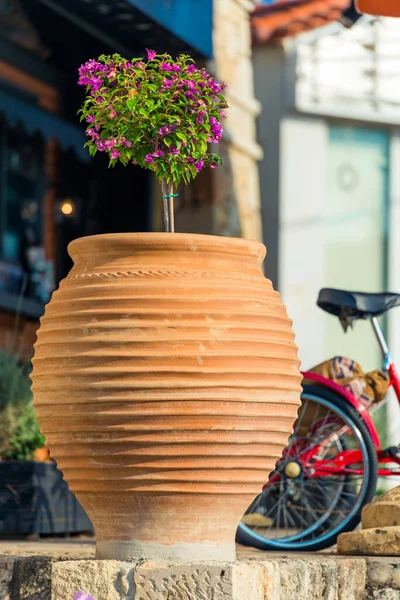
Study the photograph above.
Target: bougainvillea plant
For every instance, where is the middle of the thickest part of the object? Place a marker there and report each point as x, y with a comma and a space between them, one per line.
158, 113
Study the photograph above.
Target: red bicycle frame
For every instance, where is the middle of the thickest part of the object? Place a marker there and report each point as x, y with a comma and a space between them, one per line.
348, 462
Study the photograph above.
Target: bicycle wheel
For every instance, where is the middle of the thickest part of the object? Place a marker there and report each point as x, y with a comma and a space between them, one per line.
309, 499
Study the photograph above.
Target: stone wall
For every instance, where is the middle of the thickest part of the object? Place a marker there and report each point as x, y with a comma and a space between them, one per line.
233, 65
318, 577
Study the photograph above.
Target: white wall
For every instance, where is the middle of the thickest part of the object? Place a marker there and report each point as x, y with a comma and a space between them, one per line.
393, 416
303, 177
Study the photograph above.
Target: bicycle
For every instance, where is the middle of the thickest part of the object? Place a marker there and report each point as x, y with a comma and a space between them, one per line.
329, 469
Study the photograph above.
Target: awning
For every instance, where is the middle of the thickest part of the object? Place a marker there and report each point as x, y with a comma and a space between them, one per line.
188, 20
36, 120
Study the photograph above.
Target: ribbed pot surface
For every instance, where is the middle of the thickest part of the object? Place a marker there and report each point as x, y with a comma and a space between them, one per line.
166, 382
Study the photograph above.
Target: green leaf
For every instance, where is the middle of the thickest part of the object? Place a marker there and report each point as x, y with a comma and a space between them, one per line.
181, 136
202, 146
167, 141
131, 103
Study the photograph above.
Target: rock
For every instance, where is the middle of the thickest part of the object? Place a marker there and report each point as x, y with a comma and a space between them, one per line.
383, 512
384, 541
256, 520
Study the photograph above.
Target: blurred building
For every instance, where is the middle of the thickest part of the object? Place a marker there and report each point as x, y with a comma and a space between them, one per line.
50, 191
329, 85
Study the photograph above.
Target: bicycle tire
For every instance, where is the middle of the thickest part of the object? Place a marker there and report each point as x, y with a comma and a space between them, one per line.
247, 537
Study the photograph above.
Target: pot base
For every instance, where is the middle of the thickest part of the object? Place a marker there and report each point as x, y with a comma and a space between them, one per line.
133, 550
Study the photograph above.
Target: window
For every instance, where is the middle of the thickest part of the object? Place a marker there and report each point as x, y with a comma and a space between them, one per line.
22, 186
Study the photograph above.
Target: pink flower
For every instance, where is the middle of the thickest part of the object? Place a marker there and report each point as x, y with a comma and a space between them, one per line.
167, 83
113, 114
215, 87
149, 158
100, 145
190, 84
199, 165
83, 596
191, 69
200, 117
115, 153
213, 165
173, 151
90, 119
128, 144
109, 144
93, 133
151, 54
158, 153
164, 130
166, 67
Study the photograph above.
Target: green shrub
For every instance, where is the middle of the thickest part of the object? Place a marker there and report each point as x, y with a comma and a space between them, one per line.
19, 430
15, 385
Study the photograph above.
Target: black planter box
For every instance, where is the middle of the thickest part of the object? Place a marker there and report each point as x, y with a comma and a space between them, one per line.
35, 499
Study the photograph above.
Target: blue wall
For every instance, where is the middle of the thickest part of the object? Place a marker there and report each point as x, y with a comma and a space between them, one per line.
190, 20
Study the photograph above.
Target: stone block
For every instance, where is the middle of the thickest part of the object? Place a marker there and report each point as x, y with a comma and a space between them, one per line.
161, 581
6, 575
383, 512
293, 579
32, 578
386, 594
271, 580
247, 581
351, 574
103, 579
384, 541
383, 579
330, 586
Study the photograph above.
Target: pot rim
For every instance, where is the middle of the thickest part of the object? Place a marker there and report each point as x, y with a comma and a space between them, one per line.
169, 241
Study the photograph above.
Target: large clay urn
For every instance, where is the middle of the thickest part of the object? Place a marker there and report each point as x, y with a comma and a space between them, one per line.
382, 8
166, 382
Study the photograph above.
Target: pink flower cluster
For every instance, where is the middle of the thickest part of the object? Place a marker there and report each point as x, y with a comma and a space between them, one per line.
159, 114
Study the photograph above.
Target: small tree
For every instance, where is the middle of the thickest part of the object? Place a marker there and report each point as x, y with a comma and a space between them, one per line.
157, 113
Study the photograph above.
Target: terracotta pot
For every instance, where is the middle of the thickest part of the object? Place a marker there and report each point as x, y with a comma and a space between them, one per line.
166, 382
383, 8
